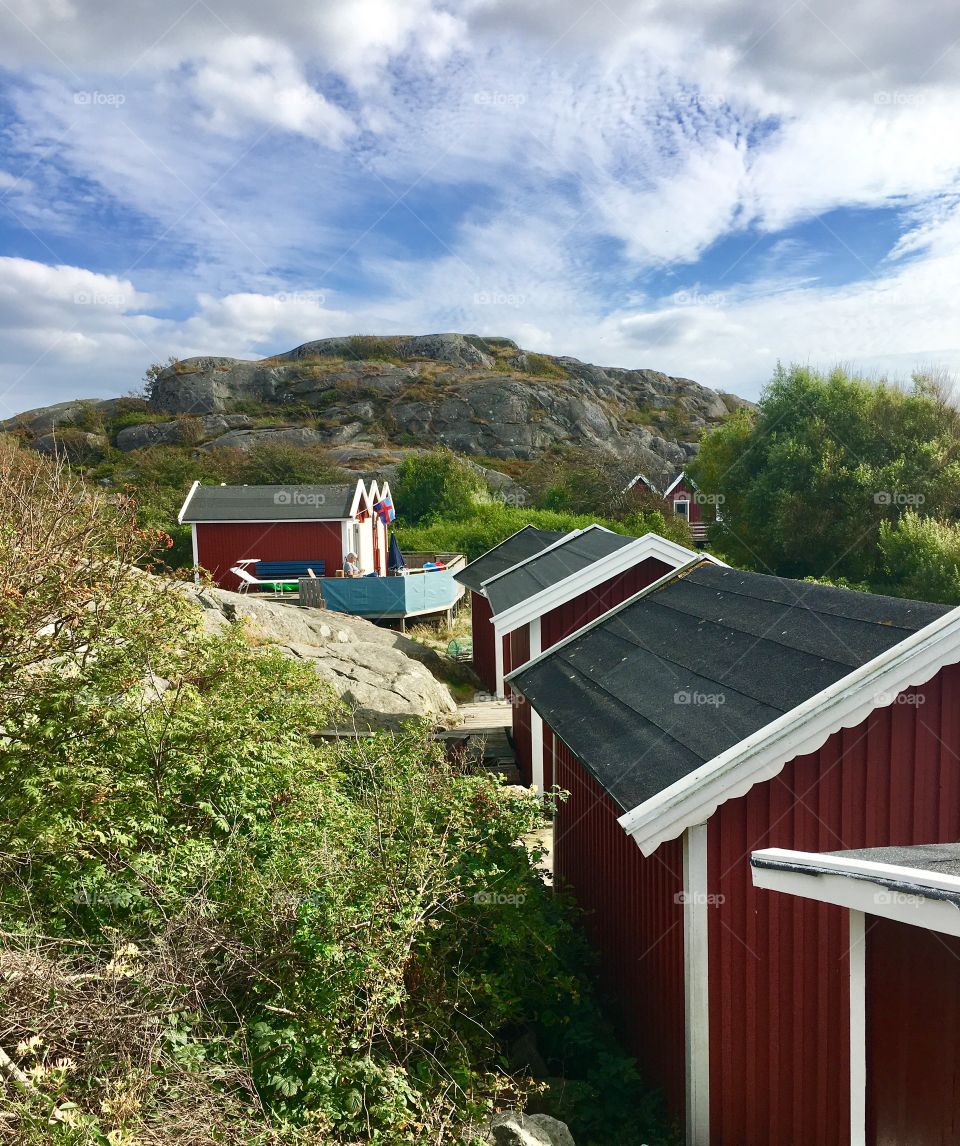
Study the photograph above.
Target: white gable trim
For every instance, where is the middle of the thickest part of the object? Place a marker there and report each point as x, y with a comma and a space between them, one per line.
360, 494
862, 886
681, 476
698, 559
183, 508
493, 550
533, 556
650, 545
764, 754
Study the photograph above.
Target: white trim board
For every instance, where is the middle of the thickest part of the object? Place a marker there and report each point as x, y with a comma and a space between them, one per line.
696, 984
649, 546
540, 552
862, 886
764, 754
183, 508
652, 587
857, 955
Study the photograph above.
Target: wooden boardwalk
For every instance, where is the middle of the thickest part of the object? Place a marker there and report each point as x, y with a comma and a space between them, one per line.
482, 733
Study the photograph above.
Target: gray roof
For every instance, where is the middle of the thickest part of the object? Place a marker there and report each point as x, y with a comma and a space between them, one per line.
942, 859
658, 686
270, 502
553, 565
521, 545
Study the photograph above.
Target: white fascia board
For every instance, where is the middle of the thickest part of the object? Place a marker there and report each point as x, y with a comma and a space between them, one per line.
844, 886
673, 485
765, 753
360, 493
651, 588
650, 545
268, 520
493, 550
183, 508
533, 556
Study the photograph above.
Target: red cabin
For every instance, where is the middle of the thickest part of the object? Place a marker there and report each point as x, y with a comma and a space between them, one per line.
233, 524
557, 591
513, 549
903, 909
715, 713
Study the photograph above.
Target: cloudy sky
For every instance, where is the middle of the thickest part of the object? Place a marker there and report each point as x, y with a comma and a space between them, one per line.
700, 188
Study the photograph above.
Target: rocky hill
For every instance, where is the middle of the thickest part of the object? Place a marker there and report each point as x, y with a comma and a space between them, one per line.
368, 399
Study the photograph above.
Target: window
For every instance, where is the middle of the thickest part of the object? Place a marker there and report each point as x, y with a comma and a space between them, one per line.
682, 509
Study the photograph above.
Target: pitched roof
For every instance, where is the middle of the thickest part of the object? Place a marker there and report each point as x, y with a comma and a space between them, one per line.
518, 547
553, 564
271, 502
651, 546
656, 692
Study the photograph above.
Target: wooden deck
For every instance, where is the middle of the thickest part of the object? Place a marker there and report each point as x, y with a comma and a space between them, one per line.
482, 735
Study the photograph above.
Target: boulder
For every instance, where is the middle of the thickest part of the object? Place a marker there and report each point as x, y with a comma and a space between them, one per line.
382, 676
179, 431
74, 445
513, 1128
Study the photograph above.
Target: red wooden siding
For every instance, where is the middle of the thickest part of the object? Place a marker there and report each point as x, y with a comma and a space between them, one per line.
579, 611
220, 546
913, 1020
778, 964
519, 655
484, 641
634, 919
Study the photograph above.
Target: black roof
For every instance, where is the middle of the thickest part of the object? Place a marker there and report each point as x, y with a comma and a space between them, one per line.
552, 566
942, 859
681, 673
519, 547
270, 502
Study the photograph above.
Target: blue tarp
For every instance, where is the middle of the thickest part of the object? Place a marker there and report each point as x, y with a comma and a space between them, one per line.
383, 596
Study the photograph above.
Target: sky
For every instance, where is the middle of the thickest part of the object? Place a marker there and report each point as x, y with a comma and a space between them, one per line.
699, 188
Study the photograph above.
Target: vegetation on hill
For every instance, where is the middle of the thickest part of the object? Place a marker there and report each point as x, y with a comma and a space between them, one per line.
840, 478
215, 927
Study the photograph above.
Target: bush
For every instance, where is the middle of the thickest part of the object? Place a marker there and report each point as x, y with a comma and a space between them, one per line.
225, 930
435, 484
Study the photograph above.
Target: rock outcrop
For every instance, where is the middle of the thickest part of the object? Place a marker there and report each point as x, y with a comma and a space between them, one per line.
382, 677
512, 1128
482, 397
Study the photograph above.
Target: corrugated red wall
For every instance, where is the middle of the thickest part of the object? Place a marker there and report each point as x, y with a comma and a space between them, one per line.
484, 641
778, 964
635, 920
220, 546
913, 1035
579, 611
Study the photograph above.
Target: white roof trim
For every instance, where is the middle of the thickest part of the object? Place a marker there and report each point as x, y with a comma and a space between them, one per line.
650, 545
765, 753
183, 508
533, 556
681, 476
652, 587
359, 491
863, 885
495, 548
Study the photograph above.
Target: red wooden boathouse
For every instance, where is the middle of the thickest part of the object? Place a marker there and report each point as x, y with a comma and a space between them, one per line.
282, 523
540, 601
716, 713
903, 909
513, 549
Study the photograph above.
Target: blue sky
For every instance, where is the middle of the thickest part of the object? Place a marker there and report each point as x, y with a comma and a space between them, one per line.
698, 189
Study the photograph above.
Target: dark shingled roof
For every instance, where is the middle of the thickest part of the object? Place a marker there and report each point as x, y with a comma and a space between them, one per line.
270, 502
508, 553
553, 565
680, 674
942, 859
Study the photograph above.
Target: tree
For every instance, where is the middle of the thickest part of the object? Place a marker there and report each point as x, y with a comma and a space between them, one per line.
437, 483
921, 557
808, 479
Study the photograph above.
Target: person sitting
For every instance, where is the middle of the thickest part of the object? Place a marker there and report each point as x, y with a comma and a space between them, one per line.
351, 566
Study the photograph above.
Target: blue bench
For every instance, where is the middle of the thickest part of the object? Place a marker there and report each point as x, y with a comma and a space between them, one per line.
277, 570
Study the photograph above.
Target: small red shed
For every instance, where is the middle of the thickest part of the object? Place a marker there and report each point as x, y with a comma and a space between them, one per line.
513, 549
685, 500
903, 910
233, 523
715, 713
557, 591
